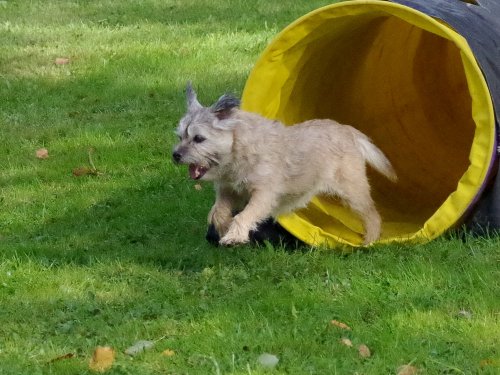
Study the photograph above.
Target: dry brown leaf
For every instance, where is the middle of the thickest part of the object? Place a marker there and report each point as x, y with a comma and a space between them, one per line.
42, 153
61, 61
364, 351
489, 362
61, 357
88, 171
338, 324
407, 370
84, 171
102, 359
168, 353
345, 341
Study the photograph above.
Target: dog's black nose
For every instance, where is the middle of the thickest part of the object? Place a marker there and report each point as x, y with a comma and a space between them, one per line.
176, 156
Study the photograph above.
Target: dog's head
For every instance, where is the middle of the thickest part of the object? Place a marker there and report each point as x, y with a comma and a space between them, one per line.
205, 136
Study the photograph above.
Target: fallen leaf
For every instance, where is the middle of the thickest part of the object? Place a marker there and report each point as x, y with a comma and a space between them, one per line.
268, 360
484, 362
364, 351
139, 347
489, 362
84, 171
198, 187
42, 153
345, 341
338, 324
407, 370
87, 171
61, 357
102, 359
61, 61
168, 353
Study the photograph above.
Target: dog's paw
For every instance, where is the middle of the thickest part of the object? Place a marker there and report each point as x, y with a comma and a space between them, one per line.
232, 240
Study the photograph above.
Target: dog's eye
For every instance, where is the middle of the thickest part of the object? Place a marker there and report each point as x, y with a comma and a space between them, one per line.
198, 138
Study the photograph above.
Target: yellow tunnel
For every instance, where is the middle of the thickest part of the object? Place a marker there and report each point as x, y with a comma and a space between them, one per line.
406, 80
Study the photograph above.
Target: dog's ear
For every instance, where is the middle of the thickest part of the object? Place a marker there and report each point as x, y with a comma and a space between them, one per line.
223, 107
192, 101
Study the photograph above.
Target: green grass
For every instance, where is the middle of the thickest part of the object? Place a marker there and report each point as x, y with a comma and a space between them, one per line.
121, 257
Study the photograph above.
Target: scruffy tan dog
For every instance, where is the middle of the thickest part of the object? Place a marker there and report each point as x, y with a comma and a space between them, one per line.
265, 168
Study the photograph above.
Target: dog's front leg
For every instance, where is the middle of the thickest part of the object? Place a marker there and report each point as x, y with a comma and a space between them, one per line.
258, 208
221, 213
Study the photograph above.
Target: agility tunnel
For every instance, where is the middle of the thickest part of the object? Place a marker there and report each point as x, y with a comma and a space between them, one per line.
422, 80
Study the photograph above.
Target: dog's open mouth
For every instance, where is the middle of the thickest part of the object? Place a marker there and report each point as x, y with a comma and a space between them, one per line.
197, 171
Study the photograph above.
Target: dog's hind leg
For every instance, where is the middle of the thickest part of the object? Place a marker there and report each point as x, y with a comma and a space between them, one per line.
371, 220
354, 190
362, 203
258, 209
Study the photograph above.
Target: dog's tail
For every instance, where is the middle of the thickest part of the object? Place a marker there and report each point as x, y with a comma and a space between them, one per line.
376, 158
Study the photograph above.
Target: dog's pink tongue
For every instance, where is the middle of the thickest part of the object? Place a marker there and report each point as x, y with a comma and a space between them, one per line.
195, 171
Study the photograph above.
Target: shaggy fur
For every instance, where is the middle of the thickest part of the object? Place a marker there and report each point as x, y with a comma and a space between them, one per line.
265, 168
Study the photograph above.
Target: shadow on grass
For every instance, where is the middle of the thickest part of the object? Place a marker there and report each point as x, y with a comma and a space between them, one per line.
161, 222
151, 211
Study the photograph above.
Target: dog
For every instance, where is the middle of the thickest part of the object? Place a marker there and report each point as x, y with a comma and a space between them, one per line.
262, 168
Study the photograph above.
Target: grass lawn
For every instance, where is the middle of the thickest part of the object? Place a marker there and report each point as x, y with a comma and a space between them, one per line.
118, 256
